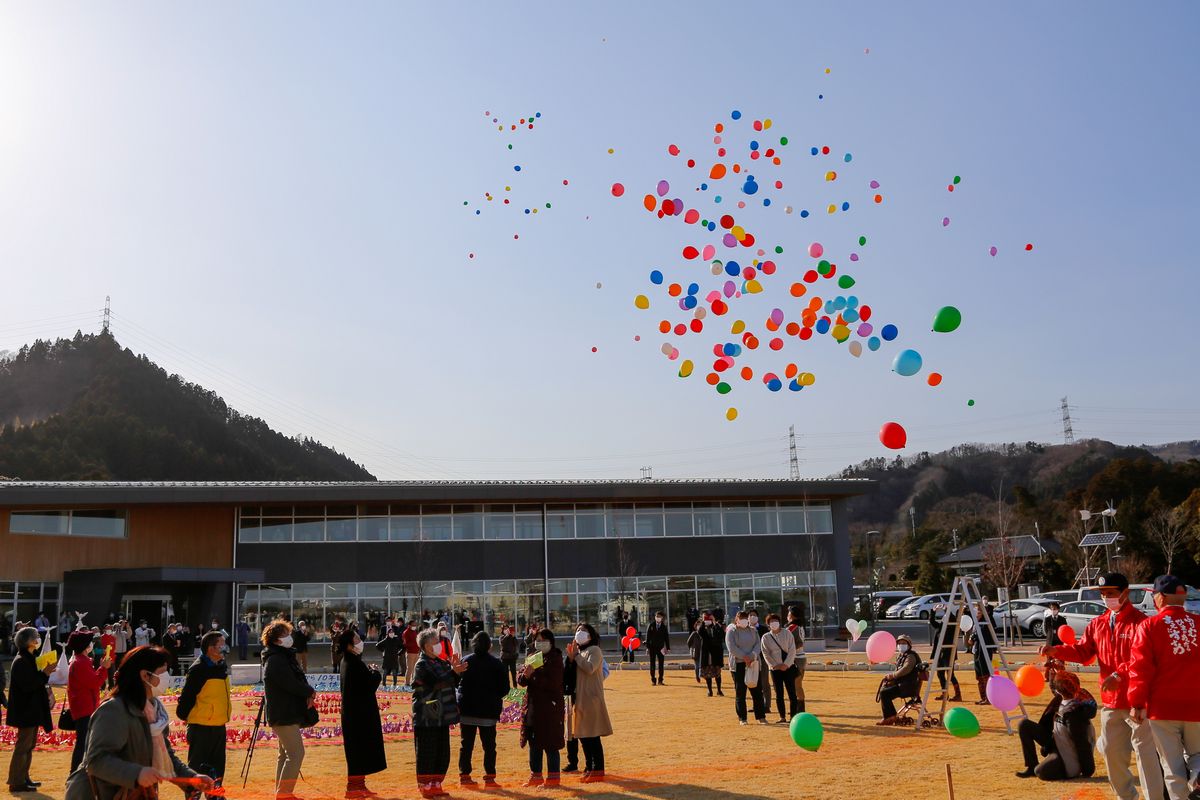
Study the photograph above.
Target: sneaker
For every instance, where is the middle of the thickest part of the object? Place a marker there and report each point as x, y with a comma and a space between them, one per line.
490, 783
742, 722
763, 722
533, 782
552, 782
781, 721
570, 768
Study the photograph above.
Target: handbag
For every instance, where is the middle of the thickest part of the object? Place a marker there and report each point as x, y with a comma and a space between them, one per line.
65, 721
752, 675
311, 717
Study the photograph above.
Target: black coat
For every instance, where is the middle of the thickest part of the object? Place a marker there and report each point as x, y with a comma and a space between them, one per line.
28, 703
1052, 624
657, 637
391, 646
712, 646
362, 732
542, 716
285, 689
482, 688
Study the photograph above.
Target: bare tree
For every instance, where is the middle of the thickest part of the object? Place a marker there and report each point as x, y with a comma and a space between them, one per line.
1135, 567
1002, 567
1167, 527
810, 559
627, 570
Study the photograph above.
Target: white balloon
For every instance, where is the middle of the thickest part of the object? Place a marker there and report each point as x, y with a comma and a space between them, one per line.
967, 623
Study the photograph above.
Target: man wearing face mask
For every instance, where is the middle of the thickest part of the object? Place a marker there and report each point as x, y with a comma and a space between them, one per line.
901, 682
1109, 639
745, 649
205, 706
1163, 685
658, 645
300, 643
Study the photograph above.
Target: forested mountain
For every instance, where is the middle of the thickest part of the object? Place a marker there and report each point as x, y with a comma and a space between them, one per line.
985, 491
86, 409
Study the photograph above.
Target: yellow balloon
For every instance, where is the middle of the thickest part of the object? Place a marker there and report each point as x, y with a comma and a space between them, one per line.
766, 124
738, 326
840, 333
685, 369
738, 232
832, 208
806, 379
641, 301
753, 286
831, 176
731, 414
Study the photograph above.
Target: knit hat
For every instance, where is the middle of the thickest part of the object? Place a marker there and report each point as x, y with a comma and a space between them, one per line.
78, 641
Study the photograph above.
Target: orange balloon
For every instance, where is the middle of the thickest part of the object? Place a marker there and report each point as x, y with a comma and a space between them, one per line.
792, 329
799, 289
664, 327
747, 373
791, 370
815, 304
934, 378
713, 378
717, 172
674, 290
1030, 681
649, 202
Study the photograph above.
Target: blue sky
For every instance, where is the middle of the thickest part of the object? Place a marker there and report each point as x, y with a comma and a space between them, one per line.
272, 195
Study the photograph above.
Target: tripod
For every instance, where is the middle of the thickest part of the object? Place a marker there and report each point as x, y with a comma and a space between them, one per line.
258, 718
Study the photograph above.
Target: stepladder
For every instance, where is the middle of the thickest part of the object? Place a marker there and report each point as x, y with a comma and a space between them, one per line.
959, 622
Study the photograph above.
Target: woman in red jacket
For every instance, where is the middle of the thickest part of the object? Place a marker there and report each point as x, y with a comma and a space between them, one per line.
84, 683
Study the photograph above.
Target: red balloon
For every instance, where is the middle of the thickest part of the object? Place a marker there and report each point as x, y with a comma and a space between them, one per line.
625, 642
893, 435
690, 252
635, 643
631, 631
1066, 634
618, 190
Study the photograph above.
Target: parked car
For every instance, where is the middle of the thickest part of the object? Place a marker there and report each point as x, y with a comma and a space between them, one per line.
1029, 615
922, 607
1069, 595
1142, 596
1079, 613
887, 599
897, 609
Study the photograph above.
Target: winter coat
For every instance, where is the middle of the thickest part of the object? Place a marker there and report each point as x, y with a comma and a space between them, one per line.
204, 699
508, 648
482, 688
906, 675
712, 646
434, 701
1074, 739
118, 748
299, 641
1166, 664
84, 683
742, 643
542, 711
28, 703
409, 637
1052, 624
778, 649
591, 712
1112, 647
658, 638
362, 732
694, 643
285, 689
390, 646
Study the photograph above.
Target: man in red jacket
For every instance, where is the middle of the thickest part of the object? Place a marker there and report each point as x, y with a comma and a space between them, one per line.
1109, 639
411, 651
1164, 685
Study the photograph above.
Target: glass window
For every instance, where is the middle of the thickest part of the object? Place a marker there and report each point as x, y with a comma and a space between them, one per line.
620, 520
404, 527
308, 590
678, 605
340, 529
681, 582
373, 611
599, 585
589, 525
791, 518
56, 522
651, 583
277, 511
309, 529
561, 586
500, 587
528, 523
707, 519
710, 581
277, 530
591, 608
563, 614
820, 519
560, 522
373, 529
340, 590
372, 511
763, 519
498, 522
249, 530
679, 522
468, 522
340, 511
649, 520
735, 517
251, 511
435, 527
108, 523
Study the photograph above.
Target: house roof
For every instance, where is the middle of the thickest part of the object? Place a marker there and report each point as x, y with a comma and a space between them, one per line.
1023, 546
41, 493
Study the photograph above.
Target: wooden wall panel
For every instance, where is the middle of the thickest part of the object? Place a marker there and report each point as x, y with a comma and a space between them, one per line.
158, 536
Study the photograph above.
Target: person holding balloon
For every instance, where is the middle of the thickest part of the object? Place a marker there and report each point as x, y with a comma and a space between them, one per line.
1064, 732
745, 648
1108, 639
903, 681
1054, 621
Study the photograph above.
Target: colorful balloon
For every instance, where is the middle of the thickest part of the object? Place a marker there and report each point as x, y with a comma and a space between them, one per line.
881, 647
1066, 634
947, 319
807, 732
907, 362
1003, 693
893, 436
1030, 681
816, 250
961, 723
934, 378
618, 190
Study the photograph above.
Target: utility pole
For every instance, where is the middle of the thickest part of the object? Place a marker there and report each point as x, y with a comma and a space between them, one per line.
793, 455
107, 325
1068, 433
912, 517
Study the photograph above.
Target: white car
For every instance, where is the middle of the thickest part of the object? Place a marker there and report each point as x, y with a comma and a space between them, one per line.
1079, 613
1142, 596
1029, 615
1067, 595
922, 607
896, 610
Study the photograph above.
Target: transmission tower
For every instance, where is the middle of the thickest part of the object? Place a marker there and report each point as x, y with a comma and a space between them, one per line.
1068, 433
793, 456
647, 473
107, 315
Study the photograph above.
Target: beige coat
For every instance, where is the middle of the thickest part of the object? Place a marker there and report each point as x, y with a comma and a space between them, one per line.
591, 713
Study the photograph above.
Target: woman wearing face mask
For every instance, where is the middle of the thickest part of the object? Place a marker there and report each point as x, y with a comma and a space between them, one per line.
712, 653
694, 645
434, 710
84, 682
797, 630
391, 644
745, 650
445, 644
362, 733
983, 645
288, 699
590, 719
542, 710
901, 682
481, 694
764, 679
128, 743
779, 652
28, 707
1064, 732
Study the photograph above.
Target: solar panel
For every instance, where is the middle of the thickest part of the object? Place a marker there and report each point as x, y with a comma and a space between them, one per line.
1099, 539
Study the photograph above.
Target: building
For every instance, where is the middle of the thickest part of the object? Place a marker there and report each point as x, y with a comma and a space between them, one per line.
492, 552
1027, 548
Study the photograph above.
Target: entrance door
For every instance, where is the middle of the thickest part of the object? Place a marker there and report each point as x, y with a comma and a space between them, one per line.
152, 608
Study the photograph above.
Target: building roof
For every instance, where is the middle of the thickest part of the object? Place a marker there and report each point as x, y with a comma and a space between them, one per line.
41, 493
1023, 546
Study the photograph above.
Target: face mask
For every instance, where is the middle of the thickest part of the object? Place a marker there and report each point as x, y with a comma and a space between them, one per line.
708, 622
741, 623
286, 641
1113, 603
357, 649
754, 621
582, 637
542, 646
902, 648
774, 626
157, 689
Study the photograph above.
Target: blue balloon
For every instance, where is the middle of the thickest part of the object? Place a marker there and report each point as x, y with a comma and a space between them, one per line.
873, 343
839, 303
846, 206
693, 288
750, 187
850, 315
736, 114
907, 362
732, 268
852, 301
795, 385
689, 302
753, 144
656, 278
766, 201
823, 325
775, 384
889, 332
829, 307
712, 226
803, 214
814, 151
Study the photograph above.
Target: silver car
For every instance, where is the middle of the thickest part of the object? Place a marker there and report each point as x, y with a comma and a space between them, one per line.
1029, 615
923, 607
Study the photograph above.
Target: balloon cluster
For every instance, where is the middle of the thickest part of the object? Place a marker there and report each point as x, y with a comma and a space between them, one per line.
630, 640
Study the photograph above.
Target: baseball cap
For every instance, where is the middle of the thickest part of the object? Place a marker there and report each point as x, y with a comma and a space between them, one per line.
1167, 584
1113, 580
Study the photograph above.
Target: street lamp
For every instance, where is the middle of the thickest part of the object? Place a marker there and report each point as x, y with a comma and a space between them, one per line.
871, 580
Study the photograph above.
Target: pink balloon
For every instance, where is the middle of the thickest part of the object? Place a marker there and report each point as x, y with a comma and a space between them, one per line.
874, 184
945, 221
1003, 693
992, 250
881, 647
663, 188
815, 250
708, 252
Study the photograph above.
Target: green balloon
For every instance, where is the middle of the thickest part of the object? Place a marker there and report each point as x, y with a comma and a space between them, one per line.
970, 402
724, 388
947, 319
824, 267
862, 240
807, 732
961, 722
845, 281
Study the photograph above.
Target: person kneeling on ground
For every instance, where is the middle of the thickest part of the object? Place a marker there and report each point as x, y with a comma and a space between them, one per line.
901, 682
1064, 732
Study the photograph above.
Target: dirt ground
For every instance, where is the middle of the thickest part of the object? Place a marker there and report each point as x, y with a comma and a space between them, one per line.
675, 742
